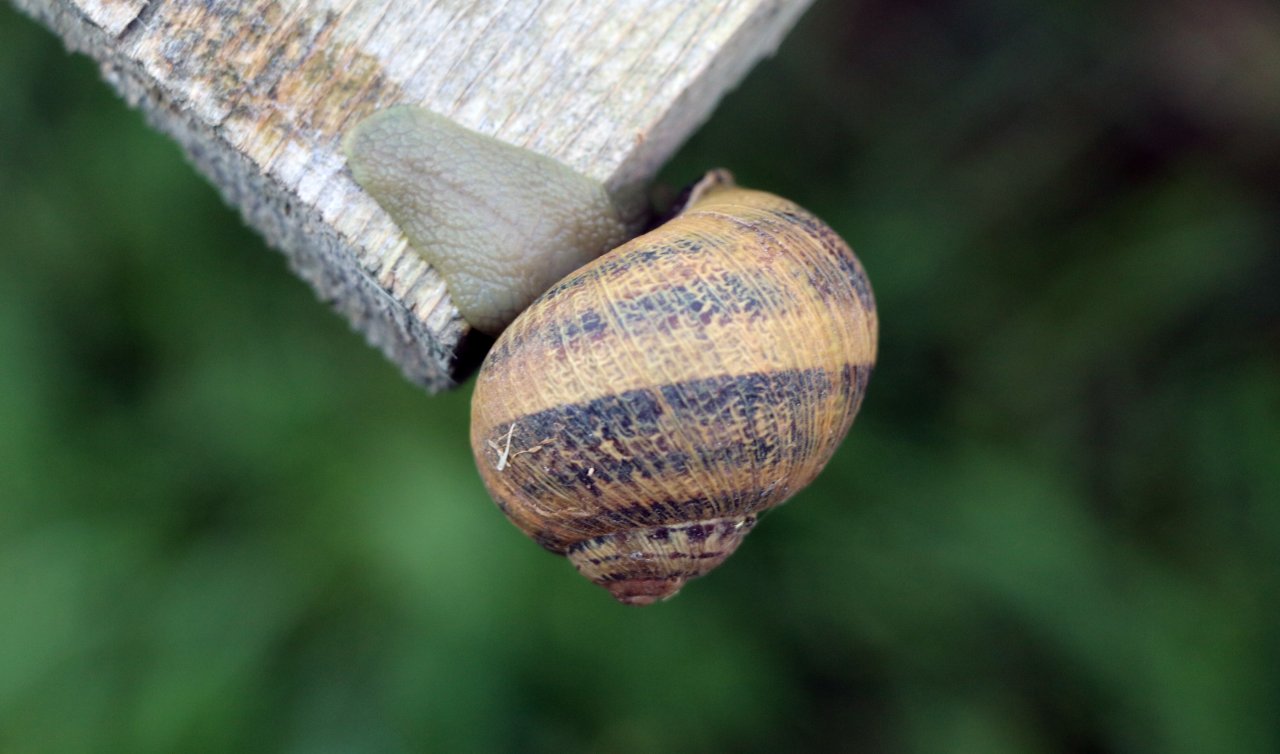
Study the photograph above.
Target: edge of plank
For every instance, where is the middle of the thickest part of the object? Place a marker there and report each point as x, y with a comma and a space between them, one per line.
306, 204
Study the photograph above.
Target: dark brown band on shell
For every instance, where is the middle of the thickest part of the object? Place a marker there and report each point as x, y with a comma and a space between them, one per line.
577, 450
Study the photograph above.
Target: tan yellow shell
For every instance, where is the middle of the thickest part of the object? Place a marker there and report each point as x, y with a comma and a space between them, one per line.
642, 413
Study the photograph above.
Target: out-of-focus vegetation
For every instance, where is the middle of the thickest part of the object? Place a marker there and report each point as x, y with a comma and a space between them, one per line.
227, 525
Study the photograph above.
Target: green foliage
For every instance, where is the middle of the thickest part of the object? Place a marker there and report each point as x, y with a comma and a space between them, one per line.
228, 525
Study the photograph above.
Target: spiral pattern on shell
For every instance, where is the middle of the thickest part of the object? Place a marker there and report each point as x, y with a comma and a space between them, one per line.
642, 413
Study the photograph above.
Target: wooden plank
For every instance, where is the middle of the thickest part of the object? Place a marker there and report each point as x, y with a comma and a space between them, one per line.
259, 93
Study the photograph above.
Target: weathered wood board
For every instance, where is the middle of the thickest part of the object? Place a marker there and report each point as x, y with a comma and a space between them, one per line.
259, 93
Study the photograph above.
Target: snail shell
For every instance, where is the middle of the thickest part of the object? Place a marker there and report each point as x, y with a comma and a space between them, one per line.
642, 413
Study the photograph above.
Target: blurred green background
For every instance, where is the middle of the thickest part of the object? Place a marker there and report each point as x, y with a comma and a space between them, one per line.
228, 525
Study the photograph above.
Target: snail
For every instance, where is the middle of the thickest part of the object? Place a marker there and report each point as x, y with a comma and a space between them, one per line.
641, 414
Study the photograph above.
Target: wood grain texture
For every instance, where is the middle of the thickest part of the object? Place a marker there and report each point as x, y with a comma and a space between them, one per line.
641, 414
259, 93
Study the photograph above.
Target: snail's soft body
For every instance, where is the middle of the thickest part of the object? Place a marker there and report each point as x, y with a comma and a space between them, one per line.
499, 223
640, 415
